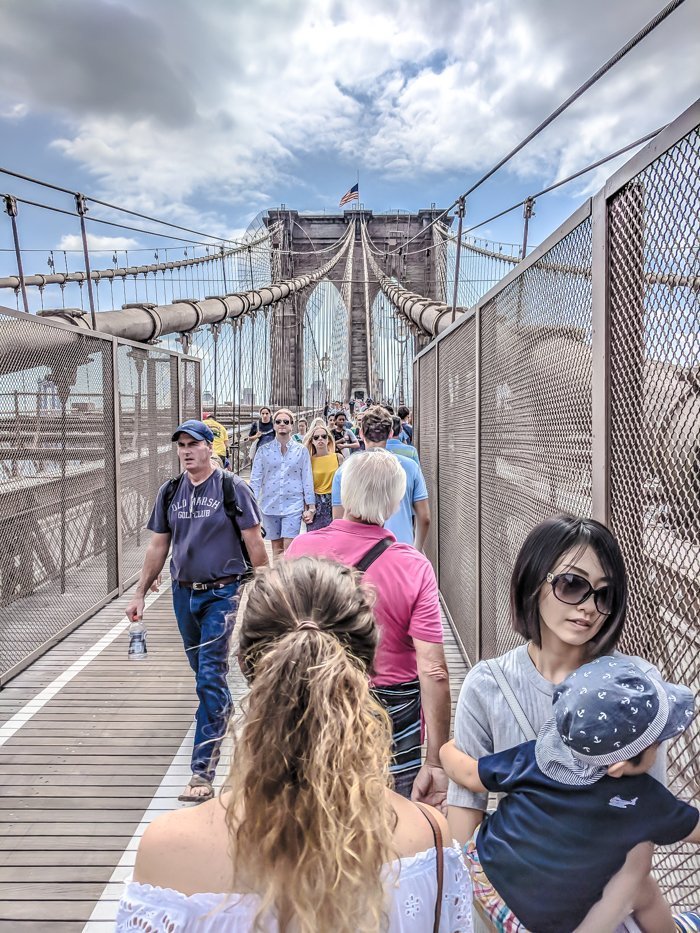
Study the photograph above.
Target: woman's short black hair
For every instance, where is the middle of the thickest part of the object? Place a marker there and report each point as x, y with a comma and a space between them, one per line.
539, 555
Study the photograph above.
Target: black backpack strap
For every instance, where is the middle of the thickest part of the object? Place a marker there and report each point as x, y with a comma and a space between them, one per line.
169, 492
374, 552
231, 506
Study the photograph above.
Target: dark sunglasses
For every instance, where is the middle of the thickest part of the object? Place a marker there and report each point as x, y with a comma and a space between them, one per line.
282, 421
573, 589
320, 437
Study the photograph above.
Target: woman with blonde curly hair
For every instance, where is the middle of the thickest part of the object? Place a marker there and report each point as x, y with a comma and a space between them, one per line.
306, 836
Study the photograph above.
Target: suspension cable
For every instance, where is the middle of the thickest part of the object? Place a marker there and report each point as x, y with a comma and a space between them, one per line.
557, 184
111, 223
115, 207
627, 47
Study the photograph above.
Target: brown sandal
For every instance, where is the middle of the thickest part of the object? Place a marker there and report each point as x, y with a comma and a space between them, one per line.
197, 781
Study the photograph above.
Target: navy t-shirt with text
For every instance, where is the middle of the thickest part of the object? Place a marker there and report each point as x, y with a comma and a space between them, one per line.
205, 545
550, 848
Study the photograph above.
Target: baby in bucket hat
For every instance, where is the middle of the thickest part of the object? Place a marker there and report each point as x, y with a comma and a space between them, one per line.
579, 800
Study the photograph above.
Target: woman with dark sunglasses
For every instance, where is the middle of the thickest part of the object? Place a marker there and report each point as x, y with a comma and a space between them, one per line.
324, 462
283, 484
568, 600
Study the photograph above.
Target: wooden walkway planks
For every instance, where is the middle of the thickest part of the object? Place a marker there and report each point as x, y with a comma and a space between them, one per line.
86, 773
82, 771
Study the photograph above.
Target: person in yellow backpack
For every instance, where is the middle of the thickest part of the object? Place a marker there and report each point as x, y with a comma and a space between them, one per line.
220, 444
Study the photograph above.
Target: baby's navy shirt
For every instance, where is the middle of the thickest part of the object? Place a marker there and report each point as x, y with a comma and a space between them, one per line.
550, 848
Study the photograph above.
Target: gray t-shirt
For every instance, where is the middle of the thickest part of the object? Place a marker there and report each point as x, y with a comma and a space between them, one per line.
205, 545
484, 723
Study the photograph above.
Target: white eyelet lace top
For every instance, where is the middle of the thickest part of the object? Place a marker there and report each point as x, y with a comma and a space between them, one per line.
147, 909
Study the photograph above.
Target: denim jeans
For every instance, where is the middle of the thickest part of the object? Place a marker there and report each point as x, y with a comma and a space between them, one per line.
206, 635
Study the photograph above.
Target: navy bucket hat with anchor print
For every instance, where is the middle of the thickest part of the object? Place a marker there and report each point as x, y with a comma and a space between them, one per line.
608, 711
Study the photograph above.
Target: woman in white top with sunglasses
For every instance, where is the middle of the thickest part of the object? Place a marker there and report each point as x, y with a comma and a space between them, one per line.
568, 599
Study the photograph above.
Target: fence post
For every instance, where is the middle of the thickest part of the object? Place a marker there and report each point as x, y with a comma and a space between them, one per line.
460, 215
436, 351
477, 476
82, 208
600, 478
11, 211
117, 468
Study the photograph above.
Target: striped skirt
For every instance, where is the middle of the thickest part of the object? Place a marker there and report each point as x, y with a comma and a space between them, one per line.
402, 703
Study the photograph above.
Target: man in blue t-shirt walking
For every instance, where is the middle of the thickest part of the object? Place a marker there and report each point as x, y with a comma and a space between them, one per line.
207, 563
375, 430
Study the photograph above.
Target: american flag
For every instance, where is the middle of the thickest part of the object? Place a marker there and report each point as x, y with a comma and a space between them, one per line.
352, 195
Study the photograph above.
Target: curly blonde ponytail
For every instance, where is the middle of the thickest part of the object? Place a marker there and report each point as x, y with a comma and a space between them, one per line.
308, 812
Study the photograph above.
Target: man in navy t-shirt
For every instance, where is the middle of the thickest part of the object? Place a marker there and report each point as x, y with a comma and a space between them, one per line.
579, 800
206, 566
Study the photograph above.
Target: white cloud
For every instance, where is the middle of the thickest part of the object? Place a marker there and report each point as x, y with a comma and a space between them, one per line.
14, 111
223, 104
96, 243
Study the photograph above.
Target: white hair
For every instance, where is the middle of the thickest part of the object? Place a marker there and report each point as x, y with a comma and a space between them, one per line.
372, 485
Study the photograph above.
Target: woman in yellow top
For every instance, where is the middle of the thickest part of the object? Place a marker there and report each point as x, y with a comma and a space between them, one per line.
324, 462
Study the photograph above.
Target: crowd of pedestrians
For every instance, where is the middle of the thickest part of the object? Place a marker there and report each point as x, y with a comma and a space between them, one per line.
347, 806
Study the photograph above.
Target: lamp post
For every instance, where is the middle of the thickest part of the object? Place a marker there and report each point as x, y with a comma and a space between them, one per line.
325, 364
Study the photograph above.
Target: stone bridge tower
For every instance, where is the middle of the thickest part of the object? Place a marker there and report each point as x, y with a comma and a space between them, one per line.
301, 235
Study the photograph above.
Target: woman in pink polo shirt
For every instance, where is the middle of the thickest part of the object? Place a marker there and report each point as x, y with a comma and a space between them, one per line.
410, 672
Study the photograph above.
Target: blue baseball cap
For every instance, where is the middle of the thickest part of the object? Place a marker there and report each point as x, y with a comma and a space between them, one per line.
196, 429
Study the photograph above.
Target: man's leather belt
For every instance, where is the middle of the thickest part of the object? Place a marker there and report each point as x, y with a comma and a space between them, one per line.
211, 585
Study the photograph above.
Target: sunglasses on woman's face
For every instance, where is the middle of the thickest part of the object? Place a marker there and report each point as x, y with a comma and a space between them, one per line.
573, 589
282, 421
320, 437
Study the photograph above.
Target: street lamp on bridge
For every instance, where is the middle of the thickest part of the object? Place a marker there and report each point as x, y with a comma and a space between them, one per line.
325, 365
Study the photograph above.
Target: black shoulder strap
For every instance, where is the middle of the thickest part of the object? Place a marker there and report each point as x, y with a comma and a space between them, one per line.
374, 552
231, 506
169, 493
439, 862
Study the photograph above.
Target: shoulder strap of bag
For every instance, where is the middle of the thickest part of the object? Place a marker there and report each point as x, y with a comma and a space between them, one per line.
374, 552
231, 506
169, 493
512, 701
439, 862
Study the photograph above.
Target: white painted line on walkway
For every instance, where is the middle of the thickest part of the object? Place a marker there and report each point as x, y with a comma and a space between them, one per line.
164, 800
31, 707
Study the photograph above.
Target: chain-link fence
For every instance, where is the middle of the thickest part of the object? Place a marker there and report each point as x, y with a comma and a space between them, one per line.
85, 427
574, 386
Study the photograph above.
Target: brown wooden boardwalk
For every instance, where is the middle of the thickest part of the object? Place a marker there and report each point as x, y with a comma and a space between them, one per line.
92, 747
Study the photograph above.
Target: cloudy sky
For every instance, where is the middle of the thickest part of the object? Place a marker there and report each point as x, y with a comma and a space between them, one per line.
206, 113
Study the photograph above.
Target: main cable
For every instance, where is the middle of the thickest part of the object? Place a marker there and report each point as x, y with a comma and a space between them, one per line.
538, 194
627, 47
114, 207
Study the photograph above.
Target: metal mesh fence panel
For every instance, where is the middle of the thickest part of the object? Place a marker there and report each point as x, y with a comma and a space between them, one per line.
190, 392
654, 273
535, 415
58, 547
148, 414
457, 507
428, 444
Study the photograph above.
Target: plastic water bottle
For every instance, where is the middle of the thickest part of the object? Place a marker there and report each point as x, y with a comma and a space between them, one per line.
137, 641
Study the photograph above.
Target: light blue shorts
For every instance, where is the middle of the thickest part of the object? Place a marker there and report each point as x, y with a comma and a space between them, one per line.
282, 526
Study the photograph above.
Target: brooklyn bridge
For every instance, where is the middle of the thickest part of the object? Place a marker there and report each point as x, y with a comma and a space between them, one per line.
560, 378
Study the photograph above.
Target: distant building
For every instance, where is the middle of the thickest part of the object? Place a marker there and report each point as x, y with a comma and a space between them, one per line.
48, 395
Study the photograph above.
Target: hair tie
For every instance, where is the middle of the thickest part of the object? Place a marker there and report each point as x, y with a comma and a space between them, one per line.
308, 625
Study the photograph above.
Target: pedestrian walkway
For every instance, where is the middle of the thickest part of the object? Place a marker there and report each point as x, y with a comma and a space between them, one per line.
92, 748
